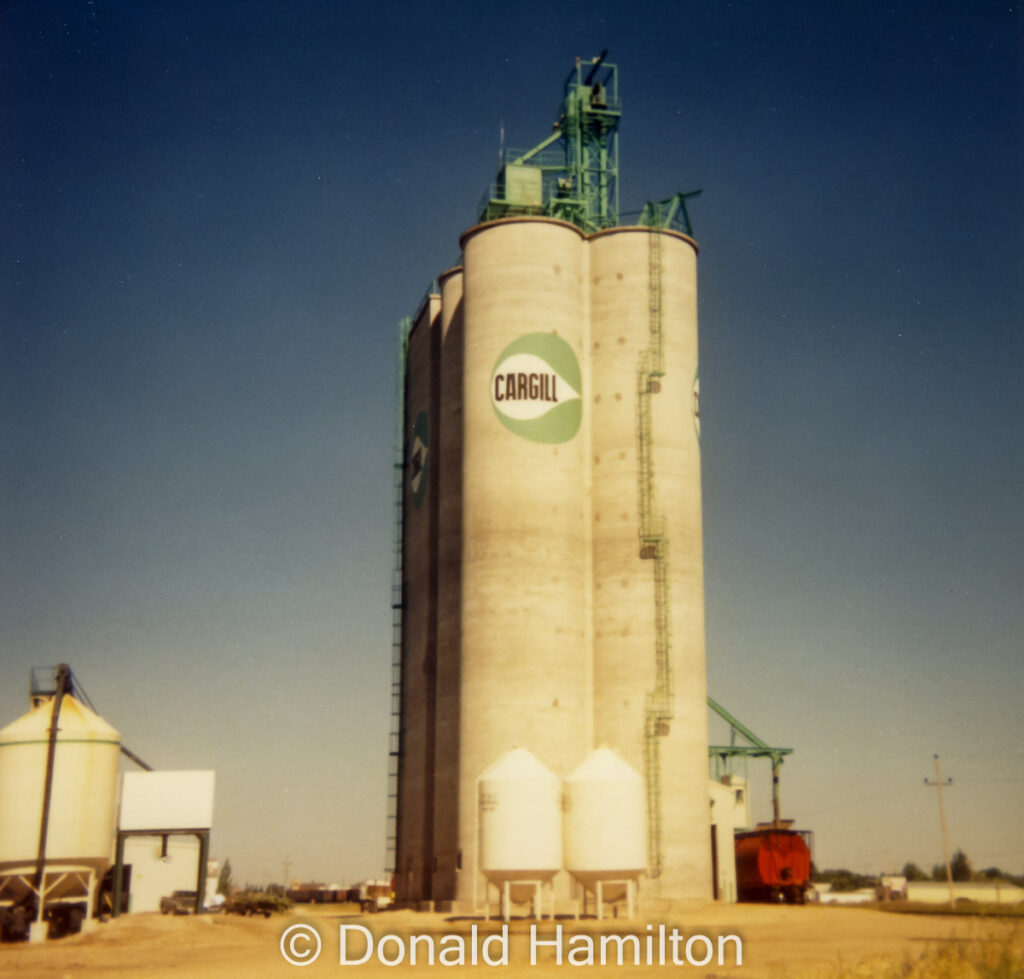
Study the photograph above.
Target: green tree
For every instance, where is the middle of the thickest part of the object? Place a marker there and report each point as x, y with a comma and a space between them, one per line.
845, 880
961, 867
224, 880
913, 872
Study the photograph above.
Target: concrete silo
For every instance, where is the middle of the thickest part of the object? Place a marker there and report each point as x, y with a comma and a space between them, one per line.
446, 772
419, 598
552, 565
647, 541
525, 519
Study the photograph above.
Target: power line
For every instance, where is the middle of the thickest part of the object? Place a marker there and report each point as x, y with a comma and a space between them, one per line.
938, 784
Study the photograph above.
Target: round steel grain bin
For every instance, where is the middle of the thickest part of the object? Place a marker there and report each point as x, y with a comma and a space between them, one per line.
520, 819
605, 830
84, 792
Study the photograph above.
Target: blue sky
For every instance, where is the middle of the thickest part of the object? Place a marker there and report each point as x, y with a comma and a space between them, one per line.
216, 214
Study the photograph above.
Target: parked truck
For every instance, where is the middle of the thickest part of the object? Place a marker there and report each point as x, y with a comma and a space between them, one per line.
373, 895
773, 863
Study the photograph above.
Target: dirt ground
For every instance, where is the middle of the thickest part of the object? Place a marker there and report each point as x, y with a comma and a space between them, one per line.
777, 943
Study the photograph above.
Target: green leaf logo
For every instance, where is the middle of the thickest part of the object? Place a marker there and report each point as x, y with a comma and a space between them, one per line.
537, 389
419, 459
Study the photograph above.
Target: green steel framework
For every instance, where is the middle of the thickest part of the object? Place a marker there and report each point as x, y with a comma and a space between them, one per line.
670, 214
579, 161
723, 757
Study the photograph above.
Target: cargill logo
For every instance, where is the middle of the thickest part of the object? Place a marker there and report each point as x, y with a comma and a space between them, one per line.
536, 388
419, 459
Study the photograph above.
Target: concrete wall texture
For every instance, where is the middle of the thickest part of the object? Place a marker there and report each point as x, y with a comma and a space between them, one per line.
552, 553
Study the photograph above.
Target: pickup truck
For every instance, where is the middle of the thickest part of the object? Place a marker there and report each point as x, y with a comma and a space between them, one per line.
250, 904
180, 902
373, 895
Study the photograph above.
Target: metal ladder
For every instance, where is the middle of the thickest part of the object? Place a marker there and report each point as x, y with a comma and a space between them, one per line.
654, 546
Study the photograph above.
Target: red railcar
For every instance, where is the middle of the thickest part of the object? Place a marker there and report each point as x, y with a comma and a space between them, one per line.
773, 863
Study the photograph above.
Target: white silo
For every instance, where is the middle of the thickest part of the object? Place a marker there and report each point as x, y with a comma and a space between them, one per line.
566, 575
649, 671
449, 577
524, 612
81, 815
519, 826
419, 621
605, 830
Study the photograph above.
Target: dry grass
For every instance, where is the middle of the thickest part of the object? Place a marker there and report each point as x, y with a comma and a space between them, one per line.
963, 908
779, 942
980, 959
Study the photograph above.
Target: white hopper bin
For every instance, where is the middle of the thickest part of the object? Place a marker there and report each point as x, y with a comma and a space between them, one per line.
605, 827
81, 818
82, 808
520, 826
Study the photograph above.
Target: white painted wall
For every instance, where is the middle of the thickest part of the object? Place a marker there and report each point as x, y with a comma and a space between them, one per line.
932, 892
725, 816
153, 877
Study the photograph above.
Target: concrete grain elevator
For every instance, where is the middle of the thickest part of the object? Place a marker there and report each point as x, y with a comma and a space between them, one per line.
549, 586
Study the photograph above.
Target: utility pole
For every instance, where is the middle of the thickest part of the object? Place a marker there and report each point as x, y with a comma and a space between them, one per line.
287, 870
938, 784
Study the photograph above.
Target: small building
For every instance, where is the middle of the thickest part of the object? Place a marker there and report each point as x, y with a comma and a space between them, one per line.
823, 894
982, 891
163, 835
730, 811
157, 871
892, 888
